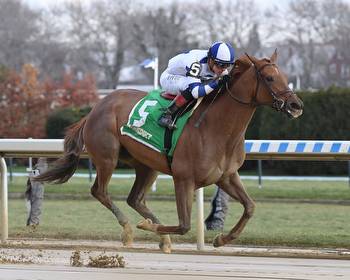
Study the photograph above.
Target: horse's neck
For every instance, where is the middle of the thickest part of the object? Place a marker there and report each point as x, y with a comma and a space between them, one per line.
229, 118
242, 89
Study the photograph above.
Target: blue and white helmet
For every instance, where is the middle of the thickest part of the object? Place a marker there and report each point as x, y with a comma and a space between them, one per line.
222, 53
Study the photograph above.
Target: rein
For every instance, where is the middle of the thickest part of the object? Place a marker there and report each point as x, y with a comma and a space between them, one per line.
201, 117
277, 103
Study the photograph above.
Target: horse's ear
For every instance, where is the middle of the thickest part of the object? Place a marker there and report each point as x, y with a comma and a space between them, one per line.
273, 58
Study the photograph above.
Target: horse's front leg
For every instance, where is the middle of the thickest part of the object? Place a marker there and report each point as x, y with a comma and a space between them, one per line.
145, 177
184, 190
233, 186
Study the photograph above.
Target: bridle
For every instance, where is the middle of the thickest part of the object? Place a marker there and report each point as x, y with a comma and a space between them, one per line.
278, 103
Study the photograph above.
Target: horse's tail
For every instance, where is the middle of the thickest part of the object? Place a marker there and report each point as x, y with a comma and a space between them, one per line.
63, 168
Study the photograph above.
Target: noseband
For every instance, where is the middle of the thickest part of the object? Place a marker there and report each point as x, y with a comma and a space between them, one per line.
278, 103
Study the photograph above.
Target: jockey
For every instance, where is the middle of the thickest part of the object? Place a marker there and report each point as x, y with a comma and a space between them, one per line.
194, 74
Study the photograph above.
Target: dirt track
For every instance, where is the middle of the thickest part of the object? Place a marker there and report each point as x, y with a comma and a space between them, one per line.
185, 248
51, 259
55, 264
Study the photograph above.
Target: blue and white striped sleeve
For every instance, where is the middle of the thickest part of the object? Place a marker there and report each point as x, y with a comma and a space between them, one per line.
200, 90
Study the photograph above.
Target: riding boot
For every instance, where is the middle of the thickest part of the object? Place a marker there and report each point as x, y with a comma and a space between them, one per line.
167, 118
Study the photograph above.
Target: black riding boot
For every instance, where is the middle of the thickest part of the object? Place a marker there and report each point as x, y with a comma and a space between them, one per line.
167, 118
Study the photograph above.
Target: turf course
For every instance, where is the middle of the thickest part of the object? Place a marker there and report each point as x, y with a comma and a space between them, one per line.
282, 217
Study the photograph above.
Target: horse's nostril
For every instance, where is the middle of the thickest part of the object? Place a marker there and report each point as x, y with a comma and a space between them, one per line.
295, 106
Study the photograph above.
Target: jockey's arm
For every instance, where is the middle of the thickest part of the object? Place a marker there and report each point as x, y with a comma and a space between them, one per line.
204, 85
201, 89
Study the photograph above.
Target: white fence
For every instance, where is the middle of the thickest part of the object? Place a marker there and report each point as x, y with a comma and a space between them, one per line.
255, 149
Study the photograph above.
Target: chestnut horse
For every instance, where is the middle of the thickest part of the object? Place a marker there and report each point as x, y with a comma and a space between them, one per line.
206, 154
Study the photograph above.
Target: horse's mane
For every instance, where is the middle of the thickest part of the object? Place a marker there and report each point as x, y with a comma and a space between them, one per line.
241, 65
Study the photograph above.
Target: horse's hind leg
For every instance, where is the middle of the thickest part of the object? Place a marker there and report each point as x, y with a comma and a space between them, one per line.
104, 169
145, 177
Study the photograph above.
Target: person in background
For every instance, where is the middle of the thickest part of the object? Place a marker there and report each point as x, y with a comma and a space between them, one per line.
34, 194
219, 207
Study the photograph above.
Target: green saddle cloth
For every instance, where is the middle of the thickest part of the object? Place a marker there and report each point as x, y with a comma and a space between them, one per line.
143, 125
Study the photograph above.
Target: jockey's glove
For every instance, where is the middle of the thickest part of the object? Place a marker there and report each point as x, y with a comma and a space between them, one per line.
223, 81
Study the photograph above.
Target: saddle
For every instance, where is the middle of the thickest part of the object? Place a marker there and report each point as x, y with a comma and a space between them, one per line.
167, 95
185, 109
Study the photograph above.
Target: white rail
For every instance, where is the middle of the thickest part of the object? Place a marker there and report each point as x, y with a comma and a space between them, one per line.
255, 149
4, 207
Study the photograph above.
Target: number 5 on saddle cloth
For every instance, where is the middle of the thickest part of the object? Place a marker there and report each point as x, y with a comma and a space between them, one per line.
142, 124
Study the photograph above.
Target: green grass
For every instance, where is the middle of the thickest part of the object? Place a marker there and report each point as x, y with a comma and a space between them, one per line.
274, 224
23, 169
313, 190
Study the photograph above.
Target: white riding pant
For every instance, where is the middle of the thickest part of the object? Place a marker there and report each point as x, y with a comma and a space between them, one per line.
175, 84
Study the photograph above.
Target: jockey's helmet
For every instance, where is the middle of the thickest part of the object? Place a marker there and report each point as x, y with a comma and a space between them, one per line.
222, 53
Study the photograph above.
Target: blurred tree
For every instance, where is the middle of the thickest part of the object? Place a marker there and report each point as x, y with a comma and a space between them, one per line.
25, 102
334, 29
19, 26
72, 91
315, 29
161, 31
254, 43
332, 23
104, 36
23, 107
50, 48
58, 121
4, 71
224, 20
99, 35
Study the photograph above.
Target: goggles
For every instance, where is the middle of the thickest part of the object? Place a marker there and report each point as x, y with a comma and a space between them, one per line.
222, 65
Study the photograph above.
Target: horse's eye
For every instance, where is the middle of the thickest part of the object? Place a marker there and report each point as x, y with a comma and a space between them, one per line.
269, 79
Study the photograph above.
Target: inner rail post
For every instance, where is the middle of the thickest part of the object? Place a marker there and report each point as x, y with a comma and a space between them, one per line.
4, 200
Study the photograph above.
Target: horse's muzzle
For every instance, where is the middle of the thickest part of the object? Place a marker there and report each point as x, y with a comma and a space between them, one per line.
294, 106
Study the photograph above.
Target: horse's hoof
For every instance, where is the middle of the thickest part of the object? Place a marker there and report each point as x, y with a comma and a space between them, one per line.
127, 235
145, 224
219, 240
165, 244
